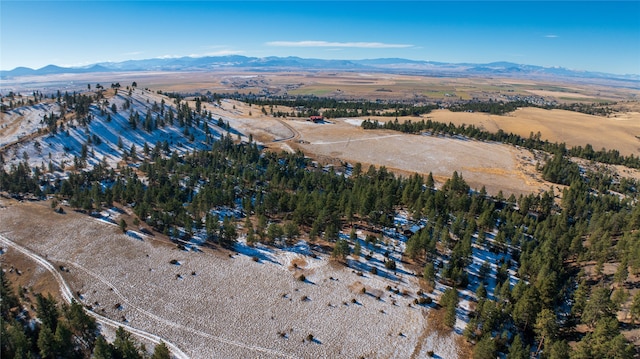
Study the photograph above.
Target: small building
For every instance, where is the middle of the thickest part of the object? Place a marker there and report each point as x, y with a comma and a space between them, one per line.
316, 119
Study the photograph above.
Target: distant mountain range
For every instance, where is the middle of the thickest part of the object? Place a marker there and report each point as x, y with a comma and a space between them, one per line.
431, 68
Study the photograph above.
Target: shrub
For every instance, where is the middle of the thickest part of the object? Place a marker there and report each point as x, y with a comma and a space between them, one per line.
423, 300
302, 278
390, 264
374, 270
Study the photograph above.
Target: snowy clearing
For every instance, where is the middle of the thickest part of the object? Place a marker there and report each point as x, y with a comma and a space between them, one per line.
216, 305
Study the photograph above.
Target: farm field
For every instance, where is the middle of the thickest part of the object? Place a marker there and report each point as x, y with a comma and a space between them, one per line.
342, 85
621, 131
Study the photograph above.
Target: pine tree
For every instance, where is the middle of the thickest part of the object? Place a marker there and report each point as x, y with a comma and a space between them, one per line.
635, 308
9, 300
124, 346
546, 327
161, 351
47, 343
449, 300
47, 311
357, 249
102, 349
340, 249
485, 348
123, 225
517, 349
429, 274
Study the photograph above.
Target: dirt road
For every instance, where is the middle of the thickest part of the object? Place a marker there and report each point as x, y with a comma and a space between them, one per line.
66, 292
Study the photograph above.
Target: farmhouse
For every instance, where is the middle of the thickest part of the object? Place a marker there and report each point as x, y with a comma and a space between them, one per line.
316, 119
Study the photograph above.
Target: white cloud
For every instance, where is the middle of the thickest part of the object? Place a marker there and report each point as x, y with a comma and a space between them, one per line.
551, 36
365, 45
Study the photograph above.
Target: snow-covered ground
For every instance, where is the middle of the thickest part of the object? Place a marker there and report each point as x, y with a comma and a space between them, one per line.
61, 148
214, 305
23, 121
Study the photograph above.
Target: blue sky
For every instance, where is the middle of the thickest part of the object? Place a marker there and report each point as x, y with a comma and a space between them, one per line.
594, 36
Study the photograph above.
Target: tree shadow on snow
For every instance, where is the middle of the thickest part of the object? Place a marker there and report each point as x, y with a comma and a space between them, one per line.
262, 255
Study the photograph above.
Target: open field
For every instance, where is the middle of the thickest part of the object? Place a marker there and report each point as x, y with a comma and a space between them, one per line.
618, 132
356, 85
496, 166
220, 304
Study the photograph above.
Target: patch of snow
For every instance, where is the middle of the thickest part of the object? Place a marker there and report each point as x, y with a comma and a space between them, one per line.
354, 121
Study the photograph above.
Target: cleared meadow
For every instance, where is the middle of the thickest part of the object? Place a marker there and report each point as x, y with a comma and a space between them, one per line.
215, 305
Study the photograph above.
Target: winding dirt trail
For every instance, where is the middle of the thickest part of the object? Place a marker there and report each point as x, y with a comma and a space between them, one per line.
66, 292
294, 133
68, 296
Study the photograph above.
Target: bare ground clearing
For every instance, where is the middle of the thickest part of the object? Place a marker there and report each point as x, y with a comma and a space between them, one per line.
220, 306
496, 166
22, 273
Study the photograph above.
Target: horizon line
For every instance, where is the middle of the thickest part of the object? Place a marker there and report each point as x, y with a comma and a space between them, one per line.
195, 56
